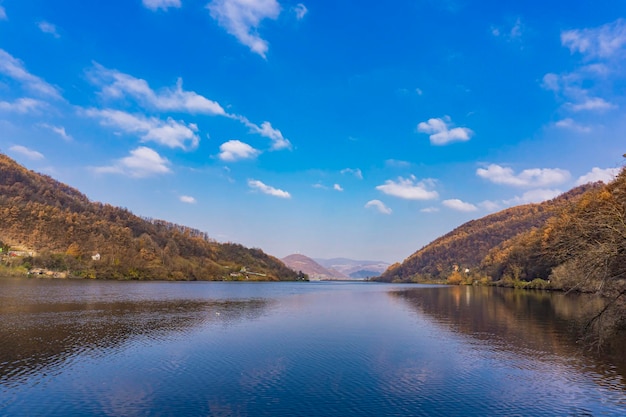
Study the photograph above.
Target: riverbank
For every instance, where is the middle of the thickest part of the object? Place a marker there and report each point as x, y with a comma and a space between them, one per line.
13, 272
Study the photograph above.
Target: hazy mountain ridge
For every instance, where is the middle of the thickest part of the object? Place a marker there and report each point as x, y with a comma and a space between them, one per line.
309, 266
354, 268
335, 268
67, 230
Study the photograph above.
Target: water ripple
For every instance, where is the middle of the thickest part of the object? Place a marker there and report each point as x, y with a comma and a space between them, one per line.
300, 353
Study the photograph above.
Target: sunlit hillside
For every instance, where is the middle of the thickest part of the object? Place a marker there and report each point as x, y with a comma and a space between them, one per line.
466, 246
68, 232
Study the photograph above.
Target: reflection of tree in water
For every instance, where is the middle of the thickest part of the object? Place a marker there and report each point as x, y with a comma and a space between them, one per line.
525, 322
37, 338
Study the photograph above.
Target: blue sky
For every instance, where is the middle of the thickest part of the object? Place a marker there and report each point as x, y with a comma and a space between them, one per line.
328, 128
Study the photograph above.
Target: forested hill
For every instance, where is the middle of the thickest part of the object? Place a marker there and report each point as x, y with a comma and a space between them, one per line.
467, 245
65, 230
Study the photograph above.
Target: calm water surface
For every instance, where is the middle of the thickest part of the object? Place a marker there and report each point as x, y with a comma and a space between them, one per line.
76, 348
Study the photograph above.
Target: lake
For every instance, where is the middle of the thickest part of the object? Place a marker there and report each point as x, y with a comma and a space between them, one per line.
98, 348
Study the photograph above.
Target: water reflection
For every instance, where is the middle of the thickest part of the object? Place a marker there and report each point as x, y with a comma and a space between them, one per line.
291, 349
541, 325
39, 337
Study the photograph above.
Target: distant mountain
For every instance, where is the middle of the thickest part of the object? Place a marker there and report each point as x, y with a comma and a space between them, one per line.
313, 269
69, 233
467, 245
353, 268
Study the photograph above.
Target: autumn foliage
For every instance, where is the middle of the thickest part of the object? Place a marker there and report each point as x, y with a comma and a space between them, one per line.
471, 243
576, 242
66, 230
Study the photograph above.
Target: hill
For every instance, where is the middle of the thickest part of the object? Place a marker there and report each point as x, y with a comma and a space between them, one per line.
313, 269
67, 232
576, 242
582, 247
467, 245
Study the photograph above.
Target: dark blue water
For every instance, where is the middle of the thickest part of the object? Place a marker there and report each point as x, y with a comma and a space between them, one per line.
75, 348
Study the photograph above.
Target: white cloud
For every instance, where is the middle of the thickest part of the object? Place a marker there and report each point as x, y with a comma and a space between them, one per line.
534, 196
300, 10
569, 123
24, 151
603, 42
593, 103
234, 150
49, 28
242, 18
536, 177
171, 133
379, 206
396, 163
440, 132
587, 87
512, 34
187, 199
142, 162
14, 68
320, 186
570, 87
155, 5
266, 130
266, 189
3, 13
599, 69
598, 174
419, 91
356, 172
458, 205
23, 105
409, 188
117, 85
551, 82
430, 210
59, 130
490, 205
516, 30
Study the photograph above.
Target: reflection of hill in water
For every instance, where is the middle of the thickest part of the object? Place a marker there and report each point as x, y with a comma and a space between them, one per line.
39, 337
526, 322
